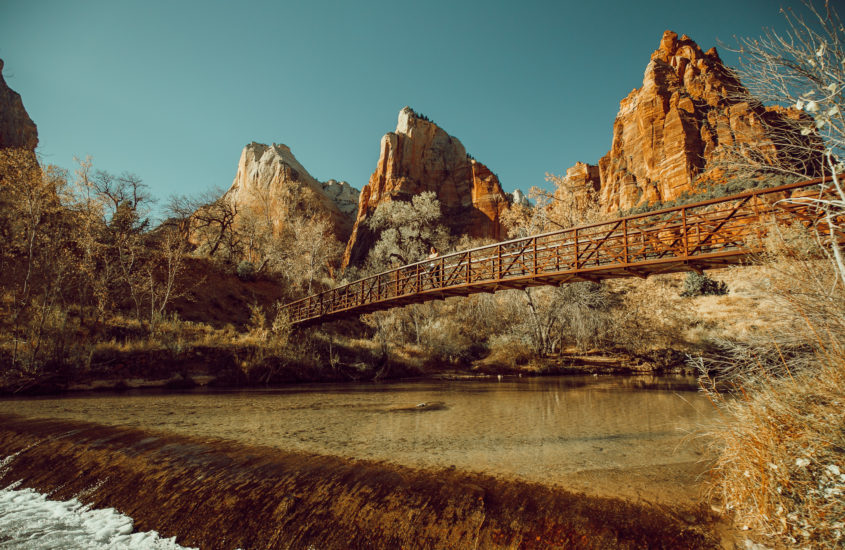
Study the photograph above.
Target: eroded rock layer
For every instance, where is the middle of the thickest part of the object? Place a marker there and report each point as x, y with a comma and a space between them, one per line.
420, 156
688, 113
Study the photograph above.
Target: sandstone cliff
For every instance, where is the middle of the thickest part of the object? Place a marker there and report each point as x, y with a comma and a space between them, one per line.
669, 132
269, 178
16, 128
420, 156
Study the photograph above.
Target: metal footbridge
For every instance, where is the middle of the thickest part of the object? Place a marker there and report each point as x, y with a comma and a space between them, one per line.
693, 237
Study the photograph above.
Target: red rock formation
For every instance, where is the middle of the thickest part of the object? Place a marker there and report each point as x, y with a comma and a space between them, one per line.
420, 156
16, 128
668, 132
584, 175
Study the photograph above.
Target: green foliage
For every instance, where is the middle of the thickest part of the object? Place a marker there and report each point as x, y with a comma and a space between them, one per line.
699, 284
421, 116
246, 271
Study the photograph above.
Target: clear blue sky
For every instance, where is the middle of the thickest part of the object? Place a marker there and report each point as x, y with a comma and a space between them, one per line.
172, 91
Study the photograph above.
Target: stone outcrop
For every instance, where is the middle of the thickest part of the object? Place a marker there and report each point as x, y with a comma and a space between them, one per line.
16, 128
518, 197
270, 175
688, 112
584, 176
344, 195
418, 157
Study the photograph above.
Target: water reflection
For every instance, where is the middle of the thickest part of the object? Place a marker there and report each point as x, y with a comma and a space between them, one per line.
537, 428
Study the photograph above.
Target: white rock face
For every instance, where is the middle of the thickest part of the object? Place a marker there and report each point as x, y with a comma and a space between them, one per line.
265, 167
403, 125
344, 195
518, 197
265, 171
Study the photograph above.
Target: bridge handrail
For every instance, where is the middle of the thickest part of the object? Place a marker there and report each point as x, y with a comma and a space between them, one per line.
495, 247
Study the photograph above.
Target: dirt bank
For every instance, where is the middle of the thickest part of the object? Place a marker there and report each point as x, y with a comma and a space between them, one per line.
217, 494
218, 368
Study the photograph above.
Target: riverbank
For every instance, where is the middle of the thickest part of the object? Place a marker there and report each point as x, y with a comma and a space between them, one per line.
222, 368
215, 493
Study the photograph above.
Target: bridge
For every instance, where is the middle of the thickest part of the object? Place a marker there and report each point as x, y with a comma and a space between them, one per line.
693, 237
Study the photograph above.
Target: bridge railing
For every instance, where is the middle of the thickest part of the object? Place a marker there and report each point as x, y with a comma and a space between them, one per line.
721, 227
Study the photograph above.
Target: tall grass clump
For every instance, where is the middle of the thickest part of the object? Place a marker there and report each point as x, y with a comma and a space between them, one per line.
780, 445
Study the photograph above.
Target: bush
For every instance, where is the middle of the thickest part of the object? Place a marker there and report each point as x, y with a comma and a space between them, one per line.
246, 271
699, 284
509, 350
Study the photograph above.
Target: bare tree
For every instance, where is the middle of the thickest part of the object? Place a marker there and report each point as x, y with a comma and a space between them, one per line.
30, 197
208, 220
801, 68
126, 202
97, 272
569, 205
776, 444
311, 250
39, 260
163, 273
407, 229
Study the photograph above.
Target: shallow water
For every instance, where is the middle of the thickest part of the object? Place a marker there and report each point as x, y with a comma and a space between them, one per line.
538, 429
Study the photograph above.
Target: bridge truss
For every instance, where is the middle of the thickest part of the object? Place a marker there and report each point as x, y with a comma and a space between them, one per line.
693, 237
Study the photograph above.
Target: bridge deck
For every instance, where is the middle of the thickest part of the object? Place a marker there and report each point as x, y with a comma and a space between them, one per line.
693, 237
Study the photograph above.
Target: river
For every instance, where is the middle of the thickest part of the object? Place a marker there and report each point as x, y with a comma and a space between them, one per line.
623, 436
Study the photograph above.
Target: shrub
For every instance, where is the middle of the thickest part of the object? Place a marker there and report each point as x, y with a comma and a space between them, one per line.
509, 350
246, 271
699, 284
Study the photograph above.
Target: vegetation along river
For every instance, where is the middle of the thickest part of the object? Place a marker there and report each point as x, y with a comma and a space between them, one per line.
631, 437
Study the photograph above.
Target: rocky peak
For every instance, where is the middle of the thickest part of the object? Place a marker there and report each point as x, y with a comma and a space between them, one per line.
519, 198
667, 133
420, 156
701, 75
584, 175
267, 172
16, 128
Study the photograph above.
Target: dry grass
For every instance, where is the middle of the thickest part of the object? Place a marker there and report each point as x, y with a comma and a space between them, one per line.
781, 464
747, 313
780, 448
508, 351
